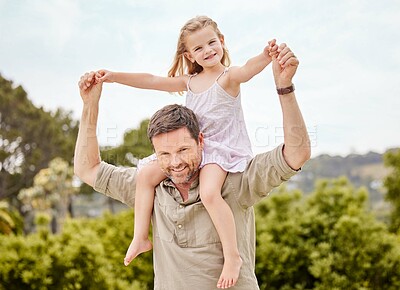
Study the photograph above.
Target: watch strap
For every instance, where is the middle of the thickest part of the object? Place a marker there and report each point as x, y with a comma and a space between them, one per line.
285, 91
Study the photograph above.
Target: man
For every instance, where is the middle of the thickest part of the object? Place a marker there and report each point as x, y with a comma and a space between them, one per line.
187, 249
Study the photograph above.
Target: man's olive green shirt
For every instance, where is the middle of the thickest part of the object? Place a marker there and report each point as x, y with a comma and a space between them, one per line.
187, 249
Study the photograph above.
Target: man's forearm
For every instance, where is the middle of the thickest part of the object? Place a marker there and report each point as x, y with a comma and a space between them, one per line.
87, 154
297, 143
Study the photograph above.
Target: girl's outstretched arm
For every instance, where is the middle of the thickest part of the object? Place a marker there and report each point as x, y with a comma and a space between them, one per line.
143, 80
253, 66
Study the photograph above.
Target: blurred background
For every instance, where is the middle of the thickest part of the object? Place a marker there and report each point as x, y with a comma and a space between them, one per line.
334, 226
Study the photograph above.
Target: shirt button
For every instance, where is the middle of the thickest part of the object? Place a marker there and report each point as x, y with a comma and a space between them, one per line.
180, 226
180, 206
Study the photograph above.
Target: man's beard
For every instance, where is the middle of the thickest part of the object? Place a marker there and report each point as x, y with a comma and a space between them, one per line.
193, 166
187, 178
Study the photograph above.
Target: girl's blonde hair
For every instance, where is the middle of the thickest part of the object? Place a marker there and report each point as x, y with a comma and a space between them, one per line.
181, 65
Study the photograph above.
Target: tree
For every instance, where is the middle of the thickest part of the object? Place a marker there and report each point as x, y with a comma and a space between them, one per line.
135, 146
326, 241
29, 138
51, 191
392, 185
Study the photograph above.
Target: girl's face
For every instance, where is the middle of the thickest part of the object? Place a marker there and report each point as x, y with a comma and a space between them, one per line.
204, 47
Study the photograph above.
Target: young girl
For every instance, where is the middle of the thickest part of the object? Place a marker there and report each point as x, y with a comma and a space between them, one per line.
200, 67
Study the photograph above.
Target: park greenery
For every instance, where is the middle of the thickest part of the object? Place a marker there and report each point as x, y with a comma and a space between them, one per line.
30, 138
325, 238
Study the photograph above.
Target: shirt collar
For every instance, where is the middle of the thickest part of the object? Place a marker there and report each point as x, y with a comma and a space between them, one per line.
171, 189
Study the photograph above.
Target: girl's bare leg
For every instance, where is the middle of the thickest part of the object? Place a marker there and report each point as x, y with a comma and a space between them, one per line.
148, 178
212, 178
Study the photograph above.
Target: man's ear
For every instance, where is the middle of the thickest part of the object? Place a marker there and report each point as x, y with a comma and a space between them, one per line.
201, 140
189, 56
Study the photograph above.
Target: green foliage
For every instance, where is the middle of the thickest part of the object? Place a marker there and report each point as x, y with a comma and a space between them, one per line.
24, 262
88, 254
136, 145
327, 241
51, 191
392, 185
6, 221
29, 138
10, 220
324, 241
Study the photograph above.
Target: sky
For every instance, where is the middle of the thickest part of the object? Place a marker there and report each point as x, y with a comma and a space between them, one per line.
347, 84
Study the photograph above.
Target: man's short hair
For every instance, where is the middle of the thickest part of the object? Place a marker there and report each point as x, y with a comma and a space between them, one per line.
173, 117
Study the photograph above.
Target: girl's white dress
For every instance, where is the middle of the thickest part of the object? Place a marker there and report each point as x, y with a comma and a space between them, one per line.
220, 115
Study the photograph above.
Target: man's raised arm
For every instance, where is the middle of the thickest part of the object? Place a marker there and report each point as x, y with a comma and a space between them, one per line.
87, 154
297, 143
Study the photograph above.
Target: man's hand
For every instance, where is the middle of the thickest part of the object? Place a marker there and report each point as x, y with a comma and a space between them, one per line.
284, 66
90, 90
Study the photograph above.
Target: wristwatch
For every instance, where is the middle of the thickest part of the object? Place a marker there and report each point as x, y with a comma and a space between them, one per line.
285, 91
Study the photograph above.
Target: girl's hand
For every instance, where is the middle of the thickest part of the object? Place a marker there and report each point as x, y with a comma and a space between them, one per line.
271, 49
104, 76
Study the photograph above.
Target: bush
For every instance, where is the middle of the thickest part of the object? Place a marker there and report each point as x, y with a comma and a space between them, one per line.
88, 254
327, 241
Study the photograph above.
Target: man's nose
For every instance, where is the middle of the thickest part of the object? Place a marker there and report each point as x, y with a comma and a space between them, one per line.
176, 160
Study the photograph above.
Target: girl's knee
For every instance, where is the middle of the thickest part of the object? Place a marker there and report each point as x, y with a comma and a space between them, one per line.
210, 197
150, 174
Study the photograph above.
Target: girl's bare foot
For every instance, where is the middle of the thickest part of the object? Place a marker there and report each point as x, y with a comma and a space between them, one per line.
135, 248
230, 273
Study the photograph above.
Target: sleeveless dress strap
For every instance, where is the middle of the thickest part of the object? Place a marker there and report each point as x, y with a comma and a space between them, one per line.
193, 75
188, 83
221, 74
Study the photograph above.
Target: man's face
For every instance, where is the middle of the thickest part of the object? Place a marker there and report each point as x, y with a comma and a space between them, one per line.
178, 154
